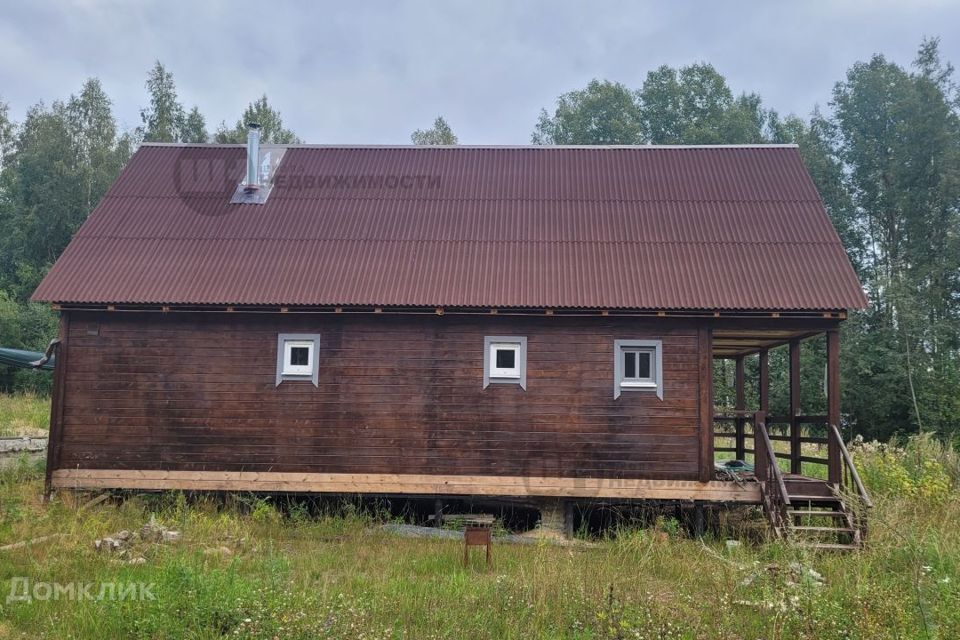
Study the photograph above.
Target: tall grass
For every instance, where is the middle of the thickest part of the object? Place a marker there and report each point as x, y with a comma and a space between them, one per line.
244, 569
24, 414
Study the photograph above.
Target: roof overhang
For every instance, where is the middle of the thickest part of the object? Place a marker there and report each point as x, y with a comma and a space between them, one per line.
835, 314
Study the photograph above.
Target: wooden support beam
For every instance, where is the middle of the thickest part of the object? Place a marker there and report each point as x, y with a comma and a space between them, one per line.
409, 484
705, 347
699, 520
764, 382
833, 404
568, 519
761, 462
740, 405
794, 406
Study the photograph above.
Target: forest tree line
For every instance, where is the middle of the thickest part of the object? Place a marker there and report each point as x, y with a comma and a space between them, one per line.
884, 153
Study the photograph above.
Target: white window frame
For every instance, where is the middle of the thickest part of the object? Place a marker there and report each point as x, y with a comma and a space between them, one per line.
512, 375
638, 380
652, 383
290, 369
286, 342
504, 372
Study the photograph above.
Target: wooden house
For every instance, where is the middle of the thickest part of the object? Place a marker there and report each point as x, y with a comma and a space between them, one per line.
447, 321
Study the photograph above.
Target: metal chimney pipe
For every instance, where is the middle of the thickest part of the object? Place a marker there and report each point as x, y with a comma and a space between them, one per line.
253, 157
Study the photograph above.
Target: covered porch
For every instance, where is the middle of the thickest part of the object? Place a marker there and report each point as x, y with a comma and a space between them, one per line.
792, 445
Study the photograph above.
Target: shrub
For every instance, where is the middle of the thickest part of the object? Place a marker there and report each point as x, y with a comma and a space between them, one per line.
920, 467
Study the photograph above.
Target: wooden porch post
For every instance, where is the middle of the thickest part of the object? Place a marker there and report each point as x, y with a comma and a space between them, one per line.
705, 347
794, 406
741, 404
764, 382
833, 405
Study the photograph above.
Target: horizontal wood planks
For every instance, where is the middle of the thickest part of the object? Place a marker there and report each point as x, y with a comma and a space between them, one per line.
414, 484
397, 394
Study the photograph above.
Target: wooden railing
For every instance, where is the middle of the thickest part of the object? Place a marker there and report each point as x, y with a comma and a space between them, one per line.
837, 468
773, 490
738, 422
850, 479
734, 426
794, 435
752, 440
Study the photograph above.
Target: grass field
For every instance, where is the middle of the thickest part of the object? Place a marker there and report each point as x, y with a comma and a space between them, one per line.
24, 415
249, 570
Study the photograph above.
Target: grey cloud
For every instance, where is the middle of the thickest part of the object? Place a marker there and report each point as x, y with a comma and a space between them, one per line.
373, 72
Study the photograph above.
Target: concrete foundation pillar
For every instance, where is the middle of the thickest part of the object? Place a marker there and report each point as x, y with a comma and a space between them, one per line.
554, 519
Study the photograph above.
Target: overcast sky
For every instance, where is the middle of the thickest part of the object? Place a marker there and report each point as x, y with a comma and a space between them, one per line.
371, 72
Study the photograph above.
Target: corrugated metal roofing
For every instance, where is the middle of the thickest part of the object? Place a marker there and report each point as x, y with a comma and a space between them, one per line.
726, 228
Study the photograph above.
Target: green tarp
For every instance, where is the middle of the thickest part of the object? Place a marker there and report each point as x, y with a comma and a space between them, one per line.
734, 466
21, 358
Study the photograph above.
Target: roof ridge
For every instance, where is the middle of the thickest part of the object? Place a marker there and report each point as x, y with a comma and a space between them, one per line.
457, 147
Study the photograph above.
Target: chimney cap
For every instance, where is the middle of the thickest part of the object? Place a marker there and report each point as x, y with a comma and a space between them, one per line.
253, 125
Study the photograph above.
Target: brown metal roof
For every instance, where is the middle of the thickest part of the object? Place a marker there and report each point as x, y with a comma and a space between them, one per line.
682, 228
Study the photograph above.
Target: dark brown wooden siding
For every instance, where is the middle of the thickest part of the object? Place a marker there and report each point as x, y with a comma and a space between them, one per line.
397, 394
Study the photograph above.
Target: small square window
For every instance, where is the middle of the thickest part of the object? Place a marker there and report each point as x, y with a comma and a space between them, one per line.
300, 356
638, 366
297, 356
505, 360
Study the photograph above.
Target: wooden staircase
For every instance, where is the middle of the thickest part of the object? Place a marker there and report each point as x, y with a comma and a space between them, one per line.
815, 513
818, 518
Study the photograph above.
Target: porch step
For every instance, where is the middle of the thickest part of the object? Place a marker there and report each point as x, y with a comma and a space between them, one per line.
828, 546
815, 512
809, 498
834, 533
807, 529
802, 487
